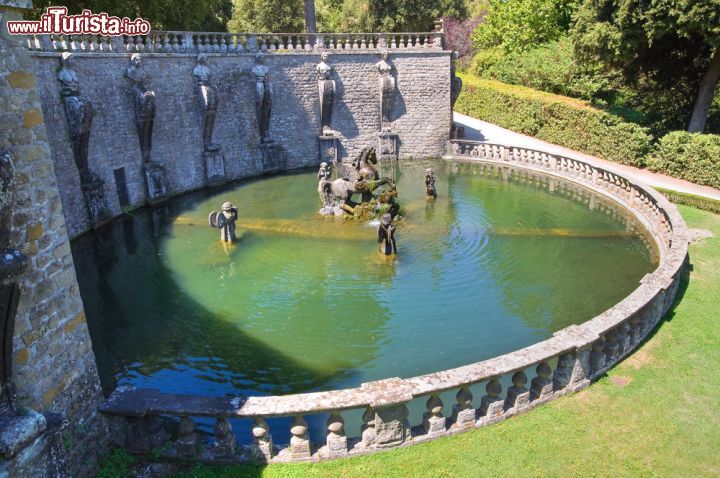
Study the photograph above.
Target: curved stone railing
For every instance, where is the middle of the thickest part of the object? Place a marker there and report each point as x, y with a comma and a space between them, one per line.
562, 364
198, 42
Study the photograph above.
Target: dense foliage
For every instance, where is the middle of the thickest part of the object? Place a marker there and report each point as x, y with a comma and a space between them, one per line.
663, 48
691, 156
199, 15
279, 16
571, 123
517, 25
457, 36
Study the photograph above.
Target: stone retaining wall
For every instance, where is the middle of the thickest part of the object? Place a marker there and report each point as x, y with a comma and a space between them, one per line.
421, 117
563, 364
56, 430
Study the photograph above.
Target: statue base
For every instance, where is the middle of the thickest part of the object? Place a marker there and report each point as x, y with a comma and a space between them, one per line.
98, 211
387, 145
155, 182
214, 167
327, 143
273, 156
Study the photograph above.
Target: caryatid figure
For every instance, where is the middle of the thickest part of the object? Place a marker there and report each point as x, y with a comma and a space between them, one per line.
78, 111
387, 91
144, 101
263, 100
326, 86
207, 99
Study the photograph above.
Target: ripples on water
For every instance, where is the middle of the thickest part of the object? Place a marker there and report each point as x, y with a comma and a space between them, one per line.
499, 261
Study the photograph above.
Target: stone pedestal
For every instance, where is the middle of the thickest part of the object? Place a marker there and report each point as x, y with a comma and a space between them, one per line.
273, 156
155, 182
328, 145
387, 145
98, 211
214, 167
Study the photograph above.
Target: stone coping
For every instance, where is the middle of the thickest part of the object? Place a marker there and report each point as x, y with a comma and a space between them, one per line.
579, 353
231, 43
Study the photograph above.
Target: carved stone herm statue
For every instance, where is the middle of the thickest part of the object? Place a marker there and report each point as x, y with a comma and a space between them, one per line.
144, 103
79, 114
387, 90
326, 87
430, 190
207, 99
386, 235
12, 264
263, 97
225, 221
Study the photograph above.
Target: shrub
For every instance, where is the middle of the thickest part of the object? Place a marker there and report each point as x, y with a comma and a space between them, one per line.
691, 156
561, 120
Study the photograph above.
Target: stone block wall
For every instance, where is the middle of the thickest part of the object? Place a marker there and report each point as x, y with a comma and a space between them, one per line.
54, 365
422, 115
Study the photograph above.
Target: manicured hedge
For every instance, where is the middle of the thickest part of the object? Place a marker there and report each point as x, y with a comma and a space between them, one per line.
557, 119
691, 156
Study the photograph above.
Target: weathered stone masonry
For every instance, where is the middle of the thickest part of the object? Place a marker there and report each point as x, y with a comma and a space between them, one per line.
54, 366
421, 115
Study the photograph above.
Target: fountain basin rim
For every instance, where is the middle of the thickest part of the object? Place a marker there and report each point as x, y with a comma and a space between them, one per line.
651, 300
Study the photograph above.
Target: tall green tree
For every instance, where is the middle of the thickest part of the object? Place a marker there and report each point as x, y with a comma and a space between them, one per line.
279, 16
668, 47
517, 25
195, 15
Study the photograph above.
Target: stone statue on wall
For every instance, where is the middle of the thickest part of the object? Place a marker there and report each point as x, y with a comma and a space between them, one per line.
225, 221
326, 87
387, 91
12, 264
263, 97
207, 99
144, 103
79, 114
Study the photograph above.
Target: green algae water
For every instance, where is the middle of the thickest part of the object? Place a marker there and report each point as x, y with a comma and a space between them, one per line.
500, 260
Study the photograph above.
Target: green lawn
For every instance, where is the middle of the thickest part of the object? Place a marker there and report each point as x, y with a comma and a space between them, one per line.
655, 414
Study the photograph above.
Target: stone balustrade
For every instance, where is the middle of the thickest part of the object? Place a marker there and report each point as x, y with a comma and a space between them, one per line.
234, 43
562, 364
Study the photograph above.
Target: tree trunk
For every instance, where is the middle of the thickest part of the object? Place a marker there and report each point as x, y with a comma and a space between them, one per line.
705, 95
310, 16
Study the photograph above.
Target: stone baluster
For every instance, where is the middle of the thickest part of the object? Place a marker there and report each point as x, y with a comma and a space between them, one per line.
363, 45
251, 42
612, 346
187, 44
597, 356
518, 396
625, 337
299, 442
93, 43
136, 438
573, 370
367, 429
186, 443
392, 42
541, 387
463, 414
433, 420
336, 439
262, 446
224, 439
491, 405
172, 43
